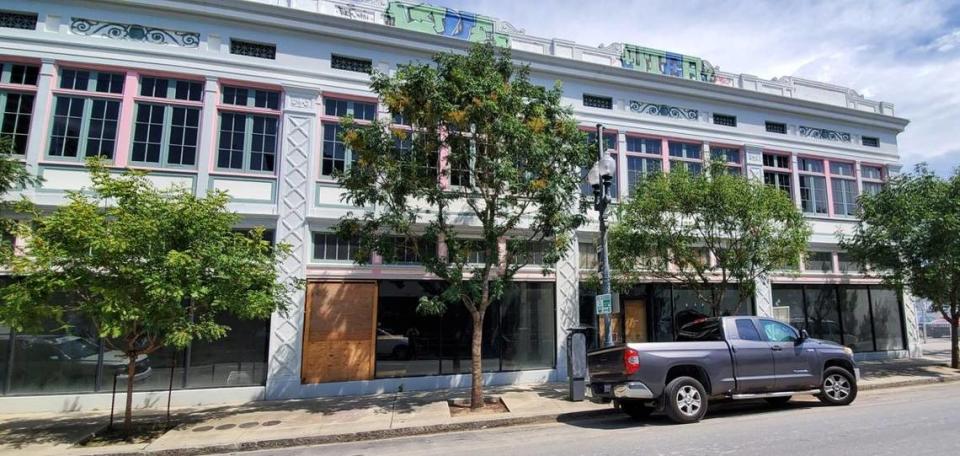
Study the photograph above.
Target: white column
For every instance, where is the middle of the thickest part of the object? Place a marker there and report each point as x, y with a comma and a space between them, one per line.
913, 336
795, 179
622, 165
298, 133
40, 116
568, 303
754, 171
206, 153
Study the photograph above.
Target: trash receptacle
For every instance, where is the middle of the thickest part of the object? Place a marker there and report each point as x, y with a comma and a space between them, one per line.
577, 362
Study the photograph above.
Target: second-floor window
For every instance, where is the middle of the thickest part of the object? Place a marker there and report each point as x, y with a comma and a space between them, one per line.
167, 126
776, 172
731, 156
686, 154
249, 124
844, 187
813, 186
336, 155
16, 104
643, 159
86, 114
872, 177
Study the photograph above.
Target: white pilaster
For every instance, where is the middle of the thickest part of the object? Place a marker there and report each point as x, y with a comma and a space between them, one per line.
568, 302
40, 116
299, 125
795, 179
207, 152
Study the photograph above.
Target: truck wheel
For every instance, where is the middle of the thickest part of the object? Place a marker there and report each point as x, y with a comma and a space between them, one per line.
778, 401
635, 409
685, 400
838, 387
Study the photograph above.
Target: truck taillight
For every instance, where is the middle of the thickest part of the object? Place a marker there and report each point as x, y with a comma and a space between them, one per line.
631, 361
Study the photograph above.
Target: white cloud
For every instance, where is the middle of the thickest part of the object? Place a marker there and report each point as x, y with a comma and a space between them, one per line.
904, 53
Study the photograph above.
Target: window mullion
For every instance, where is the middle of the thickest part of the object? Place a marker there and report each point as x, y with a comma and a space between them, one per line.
165, 134
247, 141
84, 127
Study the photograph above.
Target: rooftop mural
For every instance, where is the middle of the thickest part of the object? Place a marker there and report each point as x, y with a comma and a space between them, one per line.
462, 25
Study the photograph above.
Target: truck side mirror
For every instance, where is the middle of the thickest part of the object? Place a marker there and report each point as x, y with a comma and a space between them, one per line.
804, 335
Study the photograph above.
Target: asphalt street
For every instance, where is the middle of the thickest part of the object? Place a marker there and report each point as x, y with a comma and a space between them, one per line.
915, 421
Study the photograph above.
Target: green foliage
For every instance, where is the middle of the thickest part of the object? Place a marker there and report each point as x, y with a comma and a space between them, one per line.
13, 176
909, 234
149, 268
515, 151
677, 221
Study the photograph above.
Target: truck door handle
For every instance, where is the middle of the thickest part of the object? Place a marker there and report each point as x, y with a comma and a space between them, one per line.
776, 348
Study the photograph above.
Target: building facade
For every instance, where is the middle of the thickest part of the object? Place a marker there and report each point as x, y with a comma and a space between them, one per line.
247, 96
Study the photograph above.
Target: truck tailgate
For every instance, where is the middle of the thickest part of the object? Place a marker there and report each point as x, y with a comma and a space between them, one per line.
606, 365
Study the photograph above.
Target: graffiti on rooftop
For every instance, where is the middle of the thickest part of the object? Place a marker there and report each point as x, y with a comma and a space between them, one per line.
461, 25
666, 63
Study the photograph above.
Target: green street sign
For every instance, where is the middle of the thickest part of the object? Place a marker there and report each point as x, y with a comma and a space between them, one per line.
604, 304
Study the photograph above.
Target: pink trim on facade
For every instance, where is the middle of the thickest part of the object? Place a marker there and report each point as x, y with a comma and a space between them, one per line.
18, 87
444, 156
125, 126
665, 154
346, 96
20, 59
88, 93
826, 175
250, 84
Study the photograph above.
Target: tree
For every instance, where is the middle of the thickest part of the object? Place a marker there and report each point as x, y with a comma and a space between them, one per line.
909, 235
487, 151
149, 268
676, 222
13, 176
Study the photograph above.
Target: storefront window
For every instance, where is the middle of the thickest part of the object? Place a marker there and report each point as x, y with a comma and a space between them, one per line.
857, 329
239, 359
823, 316
660, 303
5, 346
408, 343
526, 326
153, 371
788, 306
56, 360
886, 318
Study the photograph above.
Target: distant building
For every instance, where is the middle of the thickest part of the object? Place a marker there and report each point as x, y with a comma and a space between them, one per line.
247, 96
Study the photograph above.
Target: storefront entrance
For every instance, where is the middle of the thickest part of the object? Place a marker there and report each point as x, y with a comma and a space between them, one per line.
339, 332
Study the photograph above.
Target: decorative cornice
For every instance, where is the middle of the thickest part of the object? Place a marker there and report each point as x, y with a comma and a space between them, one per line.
134, 32
673, 112
823, 133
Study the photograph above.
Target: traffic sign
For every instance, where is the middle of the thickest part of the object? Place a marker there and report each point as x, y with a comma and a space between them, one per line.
604, 304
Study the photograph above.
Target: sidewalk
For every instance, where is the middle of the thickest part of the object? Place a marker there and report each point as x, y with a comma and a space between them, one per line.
303, 422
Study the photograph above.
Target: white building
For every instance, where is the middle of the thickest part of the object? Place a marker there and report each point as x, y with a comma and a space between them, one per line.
246, 96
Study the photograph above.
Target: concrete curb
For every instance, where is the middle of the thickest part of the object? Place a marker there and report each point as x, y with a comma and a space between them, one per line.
909, 382
452, 427
374, 435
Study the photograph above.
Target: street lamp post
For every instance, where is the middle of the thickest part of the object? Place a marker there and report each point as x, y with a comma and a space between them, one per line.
600, 178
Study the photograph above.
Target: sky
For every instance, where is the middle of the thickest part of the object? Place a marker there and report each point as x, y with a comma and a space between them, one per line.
905, 53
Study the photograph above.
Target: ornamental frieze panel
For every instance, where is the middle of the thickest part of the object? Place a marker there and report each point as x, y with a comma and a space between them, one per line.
655, 109
134, 32
825, 134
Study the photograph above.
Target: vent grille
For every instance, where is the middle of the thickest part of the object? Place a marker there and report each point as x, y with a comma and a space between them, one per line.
250, 49
339, 62
870, 142
23, 21
777, 127
593, 101
725, 120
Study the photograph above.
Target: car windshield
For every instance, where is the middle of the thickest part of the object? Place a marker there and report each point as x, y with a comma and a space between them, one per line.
77, 348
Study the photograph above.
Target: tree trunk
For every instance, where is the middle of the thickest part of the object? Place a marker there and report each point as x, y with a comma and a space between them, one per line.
954, 349
476, 367
128, 413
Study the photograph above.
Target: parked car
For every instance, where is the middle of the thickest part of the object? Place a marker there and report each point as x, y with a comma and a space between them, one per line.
938, 328
393, 345
71, 357
726, 357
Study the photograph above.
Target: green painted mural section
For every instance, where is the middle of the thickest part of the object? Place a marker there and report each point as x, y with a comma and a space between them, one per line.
436, 20
666, 63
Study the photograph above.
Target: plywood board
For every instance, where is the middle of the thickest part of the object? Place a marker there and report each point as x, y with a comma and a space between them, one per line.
635, 320
339, 341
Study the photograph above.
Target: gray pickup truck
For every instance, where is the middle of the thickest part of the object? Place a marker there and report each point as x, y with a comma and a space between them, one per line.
726, 357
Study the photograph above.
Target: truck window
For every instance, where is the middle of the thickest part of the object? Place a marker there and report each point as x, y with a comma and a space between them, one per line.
778, 332
701, 331
746, 329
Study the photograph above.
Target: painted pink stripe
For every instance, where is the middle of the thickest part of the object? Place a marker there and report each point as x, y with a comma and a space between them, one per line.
125, 129
665, 154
